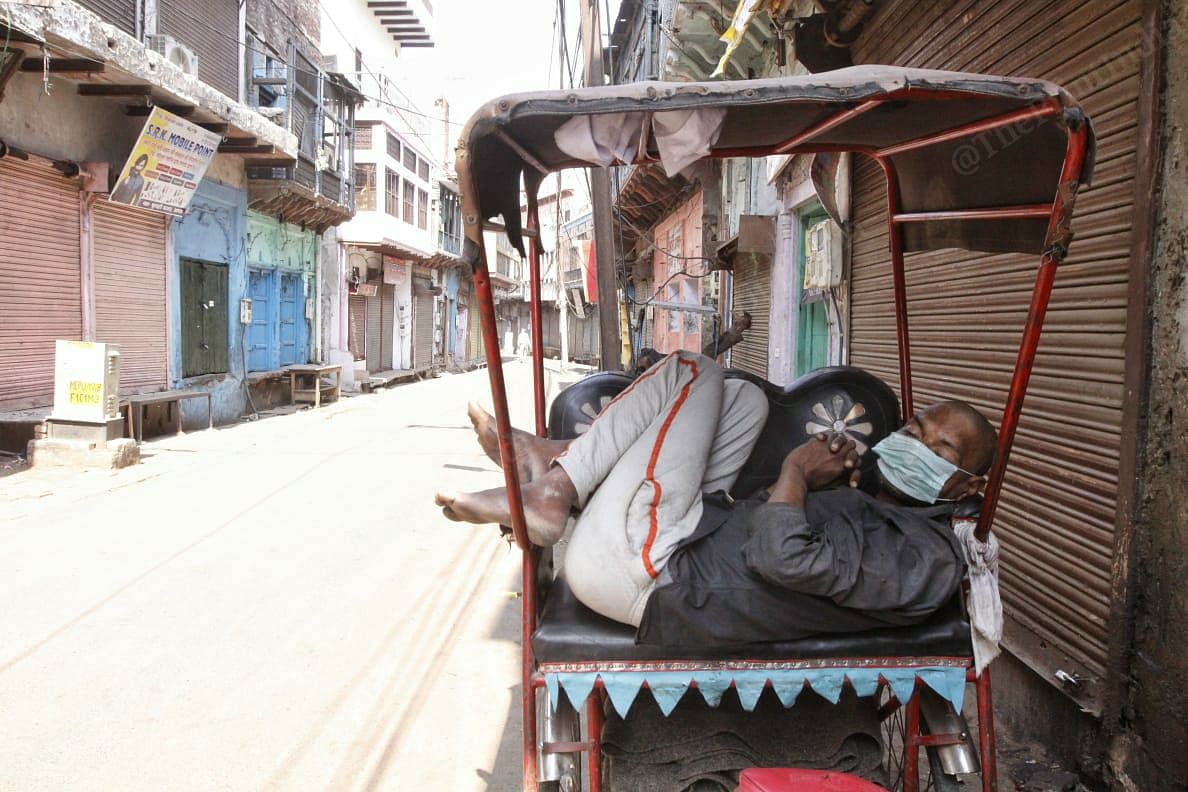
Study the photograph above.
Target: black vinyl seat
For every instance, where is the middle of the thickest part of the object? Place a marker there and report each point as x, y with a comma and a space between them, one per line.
568, 631
835, 398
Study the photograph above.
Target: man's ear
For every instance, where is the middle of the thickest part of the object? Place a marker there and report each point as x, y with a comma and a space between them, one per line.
972, 487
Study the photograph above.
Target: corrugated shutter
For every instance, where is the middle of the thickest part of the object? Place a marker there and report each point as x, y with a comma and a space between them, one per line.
1056, 517
357, 328
121, 13
752, 292
387, 308
211, 29
40, 284
128, 258
422, 329
374, 333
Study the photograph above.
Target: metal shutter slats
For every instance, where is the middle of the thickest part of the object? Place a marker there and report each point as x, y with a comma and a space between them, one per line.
1056, 519
211, 29
40, 283
752, 292
128, 257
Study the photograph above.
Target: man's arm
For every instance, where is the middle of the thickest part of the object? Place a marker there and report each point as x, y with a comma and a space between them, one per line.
784, 549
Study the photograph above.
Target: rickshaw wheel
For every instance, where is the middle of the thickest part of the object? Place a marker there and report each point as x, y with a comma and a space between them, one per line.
932, 777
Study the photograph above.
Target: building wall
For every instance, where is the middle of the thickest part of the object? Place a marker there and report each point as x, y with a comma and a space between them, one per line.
271, 244
1152, 751
65, 125
213, 230
687, 333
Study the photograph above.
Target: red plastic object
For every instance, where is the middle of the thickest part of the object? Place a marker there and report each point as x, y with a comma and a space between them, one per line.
782, 779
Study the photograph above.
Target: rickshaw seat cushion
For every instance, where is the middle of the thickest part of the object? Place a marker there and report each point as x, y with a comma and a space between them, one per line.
782, 779
568, 631
826, 399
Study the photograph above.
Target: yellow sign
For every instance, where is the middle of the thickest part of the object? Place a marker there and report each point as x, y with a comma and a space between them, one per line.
166, 164
87, 393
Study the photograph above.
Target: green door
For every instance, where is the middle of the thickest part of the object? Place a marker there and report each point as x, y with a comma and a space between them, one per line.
812, 326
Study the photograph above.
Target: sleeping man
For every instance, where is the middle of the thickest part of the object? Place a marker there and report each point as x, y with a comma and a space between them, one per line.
832, 546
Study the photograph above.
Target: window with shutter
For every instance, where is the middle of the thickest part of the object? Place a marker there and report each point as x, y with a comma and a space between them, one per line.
391, 192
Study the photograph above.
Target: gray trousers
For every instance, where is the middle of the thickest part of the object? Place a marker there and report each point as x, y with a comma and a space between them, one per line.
680, 430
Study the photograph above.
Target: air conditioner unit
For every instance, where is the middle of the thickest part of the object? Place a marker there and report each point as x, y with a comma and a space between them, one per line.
173, 51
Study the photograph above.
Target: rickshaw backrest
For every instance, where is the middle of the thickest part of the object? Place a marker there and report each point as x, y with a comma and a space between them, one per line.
834, 398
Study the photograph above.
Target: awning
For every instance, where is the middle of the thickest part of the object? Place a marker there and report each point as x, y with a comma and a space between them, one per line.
957, 143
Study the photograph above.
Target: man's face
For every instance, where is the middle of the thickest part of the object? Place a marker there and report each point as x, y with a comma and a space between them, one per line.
950, 435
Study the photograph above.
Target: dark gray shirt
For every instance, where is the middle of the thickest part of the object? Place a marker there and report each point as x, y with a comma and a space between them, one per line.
759, 572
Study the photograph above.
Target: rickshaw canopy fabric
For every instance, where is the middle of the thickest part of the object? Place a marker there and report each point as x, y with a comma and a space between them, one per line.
925, 123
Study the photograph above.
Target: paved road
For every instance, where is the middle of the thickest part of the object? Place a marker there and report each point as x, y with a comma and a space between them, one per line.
275, 605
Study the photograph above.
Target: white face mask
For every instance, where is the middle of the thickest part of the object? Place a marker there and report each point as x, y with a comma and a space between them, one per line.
913, 468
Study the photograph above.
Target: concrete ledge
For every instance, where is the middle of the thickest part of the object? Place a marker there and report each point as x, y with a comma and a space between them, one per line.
67, 25
75, 454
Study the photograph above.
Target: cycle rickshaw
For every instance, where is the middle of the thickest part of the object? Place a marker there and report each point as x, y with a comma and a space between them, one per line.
915, 124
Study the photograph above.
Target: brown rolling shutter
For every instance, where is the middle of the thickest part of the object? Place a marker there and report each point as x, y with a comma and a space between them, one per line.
40, 284
752, 292
211, 29
357, 327
1056, 518
121, 13
422, 329
374, 333
128, 258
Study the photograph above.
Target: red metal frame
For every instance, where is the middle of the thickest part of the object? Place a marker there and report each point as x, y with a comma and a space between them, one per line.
1058, 215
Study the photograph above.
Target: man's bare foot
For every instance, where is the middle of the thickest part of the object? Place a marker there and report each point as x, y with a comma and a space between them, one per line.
533, 454
547, 505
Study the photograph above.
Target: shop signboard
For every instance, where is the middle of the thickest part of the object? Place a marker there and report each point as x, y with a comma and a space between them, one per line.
166, 164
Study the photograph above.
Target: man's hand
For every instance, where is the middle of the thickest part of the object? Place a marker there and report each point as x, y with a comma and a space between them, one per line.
816, 464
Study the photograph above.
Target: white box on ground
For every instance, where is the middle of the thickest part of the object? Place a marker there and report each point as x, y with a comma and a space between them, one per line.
86, 381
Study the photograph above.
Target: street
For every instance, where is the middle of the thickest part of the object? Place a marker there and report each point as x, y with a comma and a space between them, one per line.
270, 605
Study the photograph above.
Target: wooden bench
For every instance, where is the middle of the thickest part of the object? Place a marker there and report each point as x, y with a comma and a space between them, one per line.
133, 408
313, 395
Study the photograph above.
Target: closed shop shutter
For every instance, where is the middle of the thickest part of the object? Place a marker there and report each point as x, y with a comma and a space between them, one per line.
387, 308
357, 329
40, 284
208, 28
1056, 517
422, 328
121, 13
374, 333
752, 292
128, 257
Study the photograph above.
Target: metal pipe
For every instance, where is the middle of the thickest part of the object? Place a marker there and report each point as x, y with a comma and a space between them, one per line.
1049, 107
527, 660
538, 391
986, 739
911, 742
895, 238
507, 450
1036, 211
594, 736
1070, 176
823, 126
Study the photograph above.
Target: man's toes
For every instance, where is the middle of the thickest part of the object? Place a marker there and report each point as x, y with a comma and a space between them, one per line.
445, 499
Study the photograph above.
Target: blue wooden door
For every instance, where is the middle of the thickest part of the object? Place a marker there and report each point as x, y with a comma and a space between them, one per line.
260, 343
292, 320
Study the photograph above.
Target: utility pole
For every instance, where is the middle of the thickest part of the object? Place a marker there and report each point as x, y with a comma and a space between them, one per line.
610, 346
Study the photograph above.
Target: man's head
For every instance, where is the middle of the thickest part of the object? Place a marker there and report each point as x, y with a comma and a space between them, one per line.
960, 445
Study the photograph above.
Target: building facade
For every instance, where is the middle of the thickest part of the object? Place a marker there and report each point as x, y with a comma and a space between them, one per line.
1070, 523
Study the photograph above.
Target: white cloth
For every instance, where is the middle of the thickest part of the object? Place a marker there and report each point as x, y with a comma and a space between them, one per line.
683, 136
984, 605
678, 431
